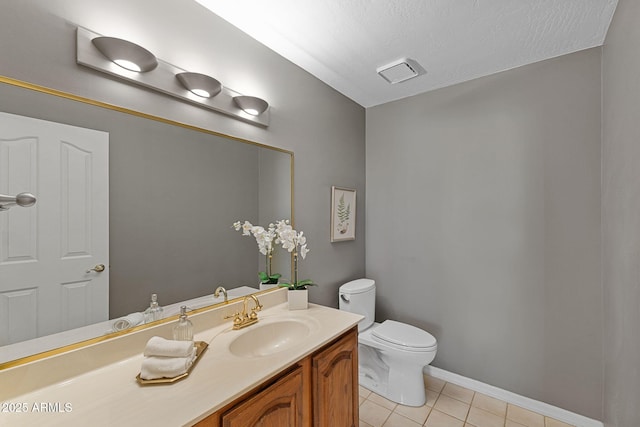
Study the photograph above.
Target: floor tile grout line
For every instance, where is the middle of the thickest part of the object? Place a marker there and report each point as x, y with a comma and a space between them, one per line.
432, 407
439, 395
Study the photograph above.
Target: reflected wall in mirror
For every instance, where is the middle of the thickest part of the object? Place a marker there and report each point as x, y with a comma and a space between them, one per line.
174, 193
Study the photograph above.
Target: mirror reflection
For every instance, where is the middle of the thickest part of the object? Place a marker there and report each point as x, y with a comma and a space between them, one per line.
152, 200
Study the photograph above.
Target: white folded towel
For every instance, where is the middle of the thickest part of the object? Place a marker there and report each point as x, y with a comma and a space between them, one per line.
128, 321
155, 367
157, 346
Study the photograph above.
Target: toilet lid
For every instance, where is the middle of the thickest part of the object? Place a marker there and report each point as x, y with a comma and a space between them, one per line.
404, 335
357, 286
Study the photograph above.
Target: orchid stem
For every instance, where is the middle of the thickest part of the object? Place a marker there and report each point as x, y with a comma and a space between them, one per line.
295, 270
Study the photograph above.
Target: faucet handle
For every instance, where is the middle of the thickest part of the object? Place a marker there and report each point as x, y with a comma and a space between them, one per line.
256, 308
237, 318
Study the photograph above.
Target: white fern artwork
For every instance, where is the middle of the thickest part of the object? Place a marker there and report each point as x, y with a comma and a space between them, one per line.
344, 214
343, 207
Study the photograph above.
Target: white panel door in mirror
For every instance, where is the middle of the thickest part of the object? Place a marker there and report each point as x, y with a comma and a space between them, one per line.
48, 251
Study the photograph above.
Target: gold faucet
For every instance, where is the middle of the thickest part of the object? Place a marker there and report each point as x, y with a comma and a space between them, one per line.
244, 319
216, 294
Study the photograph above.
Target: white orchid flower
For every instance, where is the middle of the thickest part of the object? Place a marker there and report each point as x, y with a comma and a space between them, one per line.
264, 238
246, 228
280, 233
303, 251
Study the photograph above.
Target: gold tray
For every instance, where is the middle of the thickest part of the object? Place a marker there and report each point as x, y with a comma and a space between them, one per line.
201, 346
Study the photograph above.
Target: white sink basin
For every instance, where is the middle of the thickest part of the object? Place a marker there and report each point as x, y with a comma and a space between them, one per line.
265, 339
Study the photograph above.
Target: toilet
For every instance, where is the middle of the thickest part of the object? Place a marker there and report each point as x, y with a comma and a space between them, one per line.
391, 355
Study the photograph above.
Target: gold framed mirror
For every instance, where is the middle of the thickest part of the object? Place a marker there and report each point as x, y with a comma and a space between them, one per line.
174, 192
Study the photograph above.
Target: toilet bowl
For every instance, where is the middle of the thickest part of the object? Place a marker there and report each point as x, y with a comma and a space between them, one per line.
391, 354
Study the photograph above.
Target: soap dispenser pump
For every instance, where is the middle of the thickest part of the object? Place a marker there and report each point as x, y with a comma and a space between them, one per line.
183, 329
154, 312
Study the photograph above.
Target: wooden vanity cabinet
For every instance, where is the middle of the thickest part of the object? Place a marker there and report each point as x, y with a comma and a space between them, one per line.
335, 383
321, 390
279, 405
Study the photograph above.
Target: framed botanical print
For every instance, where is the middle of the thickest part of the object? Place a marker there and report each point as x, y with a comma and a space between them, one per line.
343, 214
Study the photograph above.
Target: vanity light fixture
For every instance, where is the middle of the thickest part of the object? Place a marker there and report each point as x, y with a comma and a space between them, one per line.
125, 54
100, 53
200, 84
251, 104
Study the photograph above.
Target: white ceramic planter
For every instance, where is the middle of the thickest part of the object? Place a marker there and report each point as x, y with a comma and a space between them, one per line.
298, 300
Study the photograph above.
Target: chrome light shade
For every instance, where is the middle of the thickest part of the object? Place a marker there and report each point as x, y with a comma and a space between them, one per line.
200, 84
126, 54
251, 104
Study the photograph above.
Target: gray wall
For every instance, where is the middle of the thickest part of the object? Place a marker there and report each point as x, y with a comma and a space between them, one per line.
483, 226
322, 127
621, 216
275, 174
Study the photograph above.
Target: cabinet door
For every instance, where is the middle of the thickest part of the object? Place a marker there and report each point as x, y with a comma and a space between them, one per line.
280, 405
335, 384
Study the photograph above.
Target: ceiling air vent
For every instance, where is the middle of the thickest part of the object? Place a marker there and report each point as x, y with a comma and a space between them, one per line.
400, 70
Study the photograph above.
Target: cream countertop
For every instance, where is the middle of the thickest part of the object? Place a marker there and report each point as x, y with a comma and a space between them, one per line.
110, 395
37, 345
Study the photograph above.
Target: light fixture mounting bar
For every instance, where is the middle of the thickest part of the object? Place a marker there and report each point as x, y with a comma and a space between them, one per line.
162, 79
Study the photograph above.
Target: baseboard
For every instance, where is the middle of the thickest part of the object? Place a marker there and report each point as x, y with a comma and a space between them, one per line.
515, 399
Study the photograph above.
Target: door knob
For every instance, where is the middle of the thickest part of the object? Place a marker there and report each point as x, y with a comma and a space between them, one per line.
98, 268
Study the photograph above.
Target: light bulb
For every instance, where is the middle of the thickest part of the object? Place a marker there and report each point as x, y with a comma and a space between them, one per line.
201, 92
127, 65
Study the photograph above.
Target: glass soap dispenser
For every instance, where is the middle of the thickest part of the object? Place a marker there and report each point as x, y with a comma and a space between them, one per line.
183, 329
154, 312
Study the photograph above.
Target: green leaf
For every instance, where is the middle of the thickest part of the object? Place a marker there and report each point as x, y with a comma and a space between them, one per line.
306, 283
302, 284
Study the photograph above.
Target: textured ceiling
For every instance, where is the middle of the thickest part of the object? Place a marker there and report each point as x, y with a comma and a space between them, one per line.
343, 42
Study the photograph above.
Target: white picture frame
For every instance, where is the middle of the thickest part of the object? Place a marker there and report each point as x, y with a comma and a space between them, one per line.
343, 214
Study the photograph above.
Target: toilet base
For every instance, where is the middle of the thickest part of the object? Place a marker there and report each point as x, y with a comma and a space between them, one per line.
404, 385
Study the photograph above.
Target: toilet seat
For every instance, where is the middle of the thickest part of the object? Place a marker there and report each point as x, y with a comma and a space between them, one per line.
404, 337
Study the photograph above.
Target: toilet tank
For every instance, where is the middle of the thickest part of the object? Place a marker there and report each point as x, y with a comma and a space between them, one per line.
359, 296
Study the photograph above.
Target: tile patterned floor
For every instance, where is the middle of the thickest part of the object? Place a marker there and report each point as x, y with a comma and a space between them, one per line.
448, 405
